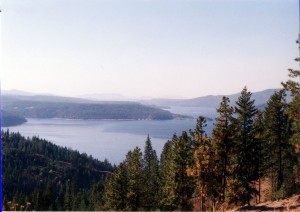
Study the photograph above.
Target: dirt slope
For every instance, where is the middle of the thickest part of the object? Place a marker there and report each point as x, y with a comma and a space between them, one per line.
289, 204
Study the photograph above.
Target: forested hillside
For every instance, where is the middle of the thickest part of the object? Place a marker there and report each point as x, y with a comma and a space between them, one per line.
194, 171
214, 173
36, 108
248, 146
197, 172
42, 176
11, 120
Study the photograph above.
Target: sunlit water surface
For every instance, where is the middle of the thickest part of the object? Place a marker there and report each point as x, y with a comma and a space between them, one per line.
112, 139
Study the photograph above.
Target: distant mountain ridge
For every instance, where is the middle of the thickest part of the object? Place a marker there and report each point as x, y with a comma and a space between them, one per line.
260, 97
211, 101
49, 106
16, 92
106, 97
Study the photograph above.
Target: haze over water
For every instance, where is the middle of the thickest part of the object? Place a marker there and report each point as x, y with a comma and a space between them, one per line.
112, 139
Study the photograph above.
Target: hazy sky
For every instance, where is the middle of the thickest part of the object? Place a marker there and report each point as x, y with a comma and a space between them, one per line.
158, 48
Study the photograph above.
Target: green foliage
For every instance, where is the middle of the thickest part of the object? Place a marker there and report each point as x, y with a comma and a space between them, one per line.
135, 184
224, 149
95, 199
116, 189
180, 185
293, 111
203, 168
279, 158
47, 176
136, 181
246, 148
198, 133
151, 176
165, 175
259, 130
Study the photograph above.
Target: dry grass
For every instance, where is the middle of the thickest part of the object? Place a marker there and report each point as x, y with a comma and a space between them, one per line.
289, 204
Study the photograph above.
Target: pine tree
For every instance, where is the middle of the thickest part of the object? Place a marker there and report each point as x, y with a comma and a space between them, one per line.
179, 186
223, 146
148, 155
202, 168
294, 106
276, 135
166, 180
49, 197
68, 197
96, 196
77, 202
198, 133
261, 147
151, 176
246, 171
116, 189
136, 181
293, 85
38, 200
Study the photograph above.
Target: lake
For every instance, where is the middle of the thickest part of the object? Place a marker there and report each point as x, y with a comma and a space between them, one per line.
112, 139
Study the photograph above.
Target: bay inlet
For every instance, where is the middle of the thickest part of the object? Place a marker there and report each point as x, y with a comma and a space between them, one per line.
112, 139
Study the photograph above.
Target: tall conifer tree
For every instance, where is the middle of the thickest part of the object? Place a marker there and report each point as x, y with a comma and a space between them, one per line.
246, 171
136, 181
278, 155
151, 175
223, 145
178, 186
116, 189
166, 180
183, 184
203, 168
259, 130
293, 85
198, 133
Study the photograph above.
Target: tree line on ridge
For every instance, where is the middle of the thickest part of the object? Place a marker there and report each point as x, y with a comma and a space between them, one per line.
247, 147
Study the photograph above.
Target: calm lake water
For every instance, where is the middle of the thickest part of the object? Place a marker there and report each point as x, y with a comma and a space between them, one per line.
112, 139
